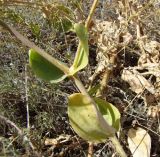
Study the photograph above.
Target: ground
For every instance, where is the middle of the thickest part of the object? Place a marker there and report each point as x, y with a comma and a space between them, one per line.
124, 45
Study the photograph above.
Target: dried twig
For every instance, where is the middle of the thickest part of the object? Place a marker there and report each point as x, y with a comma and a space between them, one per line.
90, 149
26, 97
106, 76
139, 39
20, 133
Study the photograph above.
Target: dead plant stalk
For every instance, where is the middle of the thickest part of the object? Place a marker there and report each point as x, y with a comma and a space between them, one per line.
20, 133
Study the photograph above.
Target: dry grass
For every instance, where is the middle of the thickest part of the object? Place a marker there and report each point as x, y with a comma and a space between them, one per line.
48, 103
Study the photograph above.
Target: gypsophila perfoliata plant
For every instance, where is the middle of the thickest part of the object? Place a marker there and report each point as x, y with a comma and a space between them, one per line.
92, 118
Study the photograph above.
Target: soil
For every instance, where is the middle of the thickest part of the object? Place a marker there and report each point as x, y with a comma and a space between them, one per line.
50, 131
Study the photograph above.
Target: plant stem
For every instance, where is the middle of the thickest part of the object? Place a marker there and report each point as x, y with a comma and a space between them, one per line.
20, 133
103, 84
40, 51
139, 39
87, 23
106, 76
118, 146
26, 98
81, 87
104, 124
90, 149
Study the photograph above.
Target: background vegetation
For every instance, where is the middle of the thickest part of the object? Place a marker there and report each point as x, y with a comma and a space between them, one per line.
129, 29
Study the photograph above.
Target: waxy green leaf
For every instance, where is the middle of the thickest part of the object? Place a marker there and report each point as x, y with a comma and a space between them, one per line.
81, 58
84, 120
44, 69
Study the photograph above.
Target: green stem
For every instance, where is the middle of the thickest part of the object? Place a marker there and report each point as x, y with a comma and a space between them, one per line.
118, 146
62, 67
79, 49
65, 69
87, 23
40, 51
104, 124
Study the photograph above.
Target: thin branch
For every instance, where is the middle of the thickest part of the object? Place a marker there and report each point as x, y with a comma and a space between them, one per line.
90, 149
7, 121
118, 146
20, 133
103, 123
103, 84
139, 39
40, 51
26, 97
106, 76
87, 23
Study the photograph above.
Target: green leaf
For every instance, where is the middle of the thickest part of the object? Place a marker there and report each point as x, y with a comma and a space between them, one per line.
81, 58
110, 112
44, 69
84, 121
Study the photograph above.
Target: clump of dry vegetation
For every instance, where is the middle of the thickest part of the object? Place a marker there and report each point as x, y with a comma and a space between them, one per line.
123, 69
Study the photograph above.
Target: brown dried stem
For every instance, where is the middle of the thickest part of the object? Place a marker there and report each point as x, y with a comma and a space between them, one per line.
106, 76
20, 133
90, 149
139, 37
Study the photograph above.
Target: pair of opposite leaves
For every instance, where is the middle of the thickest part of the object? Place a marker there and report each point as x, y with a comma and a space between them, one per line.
81, 113
49, 72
